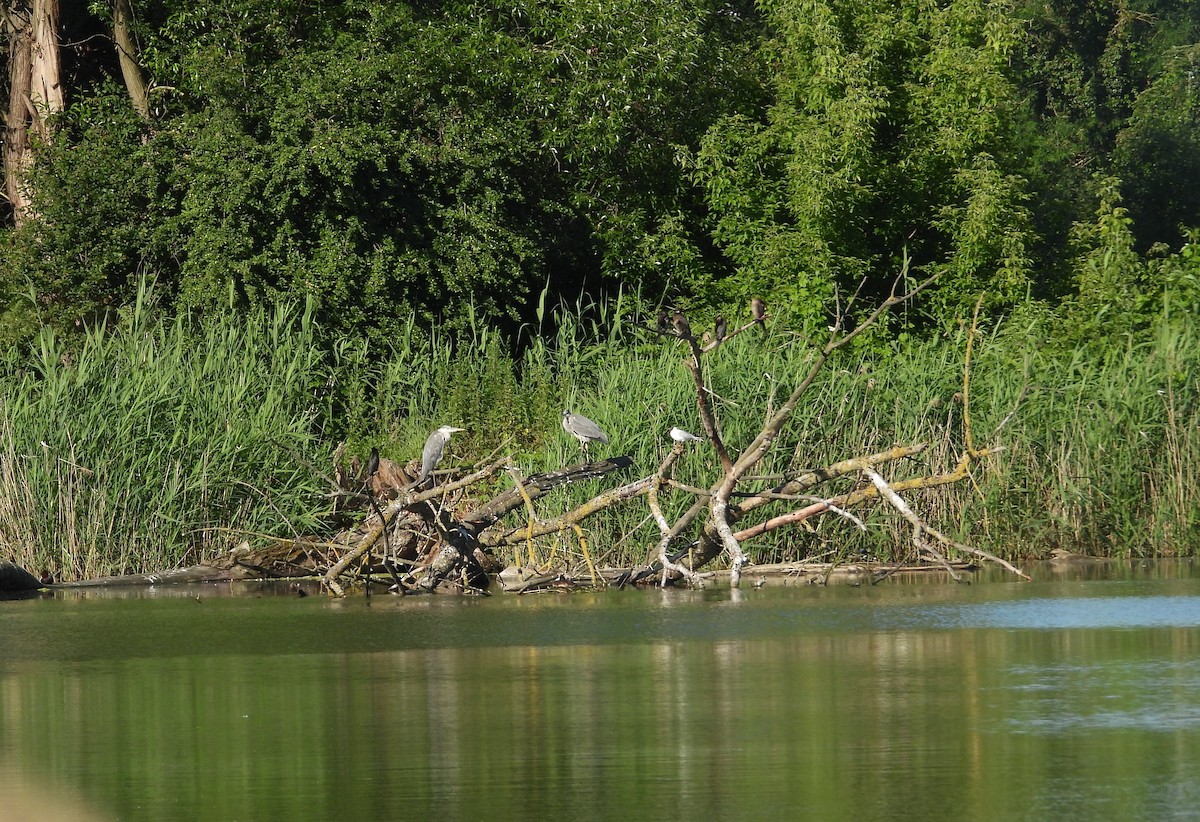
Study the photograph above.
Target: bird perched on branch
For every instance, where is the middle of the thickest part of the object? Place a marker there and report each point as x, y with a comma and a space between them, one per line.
758, 310
679, 435
719, 328
434, 450
681, 325
582, 429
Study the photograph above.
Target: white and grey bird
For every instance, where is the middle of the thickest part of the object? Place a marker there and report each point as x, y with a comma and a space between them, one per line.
679, 435
434, 450
582, 429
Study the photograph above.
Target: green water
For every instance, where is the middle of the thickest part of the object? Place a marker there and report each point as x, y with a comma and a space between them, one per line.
1076, 696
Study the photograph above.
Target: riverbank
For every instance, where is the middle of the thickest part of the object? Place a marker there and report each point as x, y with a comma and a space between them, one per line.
152, 445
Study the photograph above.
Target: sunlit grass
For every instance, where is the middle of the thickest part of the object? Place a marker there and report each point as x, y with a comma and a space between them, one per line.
153, 444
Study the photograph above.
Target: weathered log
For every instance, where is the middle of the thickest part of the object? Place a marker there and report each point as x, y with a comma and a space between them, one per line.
195, 573
537, 486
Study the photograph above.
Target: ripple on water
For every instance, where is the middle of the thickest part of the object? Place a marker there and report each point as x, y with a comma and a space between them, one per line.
1147, 695
1060, 613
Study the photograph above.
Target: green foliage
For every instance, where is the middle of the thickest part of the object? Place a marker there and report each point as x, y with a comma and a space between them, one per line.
1112, 297
892, 124
154, 444
413, 159
1157, 153
383, 159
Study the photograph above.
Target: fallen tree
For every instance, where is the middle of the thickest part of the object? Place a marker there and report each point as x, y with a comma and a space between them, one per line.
439, 537
421, 535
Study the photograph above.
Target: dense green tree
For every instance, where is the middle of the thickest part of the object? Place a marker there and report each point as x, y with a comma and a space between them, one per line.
892, 126
442, 159
453, 160
1157, 153
1106, 82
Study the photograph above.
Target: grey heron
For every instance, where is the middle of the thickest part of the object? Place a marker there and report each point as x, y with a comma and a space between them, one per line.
582, 429
679, 435
434, 450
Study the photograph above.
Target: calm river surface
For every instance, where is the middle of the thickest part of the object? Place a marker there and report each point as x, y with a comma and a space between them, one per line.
1075, 696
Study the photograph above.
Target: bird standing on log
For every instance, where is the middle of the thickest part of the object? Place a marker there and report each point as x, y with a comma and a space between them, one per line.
434, 450
582, 429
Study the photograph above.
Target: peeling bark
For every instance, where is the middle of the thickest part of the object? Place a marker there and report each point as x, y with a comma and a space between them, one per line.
35, 94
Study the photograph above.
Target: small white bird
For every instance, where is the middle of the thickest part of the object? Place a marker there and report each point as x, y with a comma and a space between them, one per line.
679, 435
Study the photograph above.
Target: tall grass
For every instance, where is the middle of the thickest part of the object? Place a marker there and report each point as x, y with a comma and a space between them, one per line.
156, 444
1101, 456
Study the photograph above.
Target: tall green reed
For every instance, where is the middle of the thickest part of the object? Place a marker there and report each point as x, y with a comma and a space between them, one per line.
153, 444
160, 443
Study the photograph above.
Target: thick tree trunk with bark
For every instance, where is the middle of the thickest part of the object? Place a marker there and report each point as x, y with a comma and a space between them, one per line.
35, 93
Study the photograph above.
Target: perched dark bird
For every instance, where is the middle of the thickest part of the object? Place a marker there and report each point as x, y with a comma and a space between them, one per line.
663, 326
681, 325
372, 466
582, 429
719, 328
434, 450
758, 309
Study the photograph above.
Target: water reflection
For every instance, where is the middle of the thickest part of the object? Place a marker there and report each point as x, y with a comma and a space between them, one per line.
1058, 699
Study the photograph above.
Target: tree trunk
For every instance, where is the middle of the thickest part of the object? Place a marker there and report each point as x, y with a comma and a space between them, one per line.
131, 70
34, 93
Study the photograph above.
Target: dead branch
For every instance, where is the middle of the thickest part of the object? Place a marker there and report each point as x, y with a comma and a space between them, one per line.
665, 529
756, 450
919, 525
606, 499
537, 486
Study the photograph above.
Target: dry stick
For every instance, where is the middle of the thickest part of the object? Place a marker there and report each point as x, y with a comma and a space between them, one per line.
891, 496
608, 499
860, 495
706, 414
403, 504
664, 527
804, 480
697, 508
586, 556
533, 517
928, 547
754, 453
730, 335
818, 507
898, 565
613, 547
900, 505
